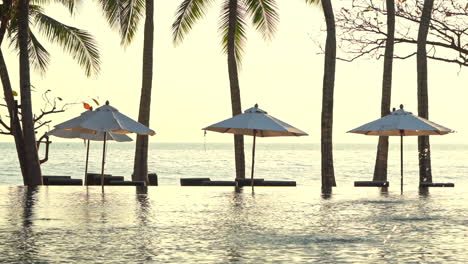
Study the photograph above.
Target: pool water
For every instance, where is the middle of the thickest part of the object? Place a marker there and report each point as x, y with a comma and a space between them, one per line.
173, 224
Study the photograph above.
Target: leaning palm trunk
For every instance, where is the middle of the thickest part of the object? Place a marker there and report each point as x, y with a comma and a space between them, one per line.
235, 89
15, 126
425, 174
328, 174
34, 169
140, 170
380, 170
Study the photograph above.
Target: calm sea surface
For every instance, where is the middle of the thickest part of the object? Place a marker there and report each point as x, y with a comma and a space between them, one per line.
173, 224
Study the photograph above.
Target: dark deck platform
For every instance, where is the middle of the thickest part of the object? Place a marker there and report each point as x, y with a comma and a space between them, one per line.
240, 182
371, 184
61, 180
126, 183
431, 184
95, 179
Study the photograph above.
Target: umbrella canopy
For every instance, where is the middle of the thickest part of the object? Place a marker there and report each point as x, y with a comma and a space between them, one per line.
62, 133
401, 121
105, 119
255, 121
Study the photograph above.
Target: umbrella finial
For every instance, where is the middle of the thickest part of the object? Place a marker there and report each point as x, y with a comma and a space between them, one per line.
401, 106
256, 105
107, 102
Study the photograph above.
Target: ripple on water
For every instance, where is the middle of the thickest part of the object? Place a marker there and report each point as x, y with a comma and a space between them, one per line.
217, 225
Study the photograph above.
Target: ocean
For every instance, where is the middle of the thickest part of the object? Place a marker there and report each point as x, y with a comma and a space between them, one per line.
299, 162
173, 224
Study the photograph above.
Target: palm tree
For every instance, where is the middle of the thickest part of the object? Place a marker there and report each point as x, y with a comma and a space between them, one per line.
380, 170
233, 27
16, 16
140, 169
425, 174
124, 15
34, 169
328, 173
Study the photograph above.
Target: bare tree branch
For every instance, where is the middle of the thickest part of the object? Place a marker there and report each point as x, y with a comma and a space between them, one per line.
363, 29
42, 124
52, 105
4, 125
52, 111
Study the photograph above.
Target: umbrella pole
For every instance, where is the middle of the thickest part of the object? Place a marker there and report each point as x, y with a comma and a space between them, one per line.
401, 159
253, 160
86, 166
103, 161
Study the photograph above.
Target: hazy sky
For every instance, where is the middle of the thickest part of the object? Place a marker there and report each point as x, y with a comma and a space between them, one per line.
284, 76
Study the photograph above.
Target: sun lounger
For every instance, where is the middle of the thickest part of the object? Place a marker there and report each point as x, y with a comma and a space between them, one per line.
431, 184
126, 183
64, 181
240, 182
371, 184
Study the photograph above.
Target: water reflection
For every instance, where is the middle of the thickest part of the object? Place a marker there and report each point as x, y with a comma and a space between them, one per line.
423, 191
231, 221
22, 238
147, 240
221, 225
140, 190
384, 191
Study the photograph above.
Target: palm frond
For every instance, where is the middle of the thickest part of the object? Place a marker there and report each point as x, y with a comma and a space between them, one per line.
69, 4
132, 13
80, 44
316, 2
187, 14
38, 55
237, 13
12, 29
124, 16
264, 14
33, 9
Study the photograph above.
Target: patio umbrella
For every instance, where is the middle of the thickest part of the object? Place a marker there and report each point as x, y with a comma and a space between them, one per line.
62, 133
257, 123
105, 119
401, 123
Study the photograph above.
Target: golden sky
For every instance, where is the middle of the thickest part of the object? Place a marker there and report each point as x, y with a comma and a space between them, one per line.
284, 76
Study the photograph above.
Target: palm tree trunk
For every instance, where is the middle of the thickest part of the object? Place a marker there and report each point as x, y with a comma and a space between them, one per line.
15, 126
425, 173
235, 89
34, 169
328, 174
380, 170
140, 170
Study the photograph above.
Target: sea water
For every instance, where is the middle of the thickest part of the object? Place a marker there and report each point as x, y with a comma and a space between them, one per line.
173, 224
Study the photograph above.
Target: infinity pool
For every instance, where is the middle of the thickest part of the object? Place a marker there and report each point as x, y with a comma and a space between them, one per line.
218, 225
